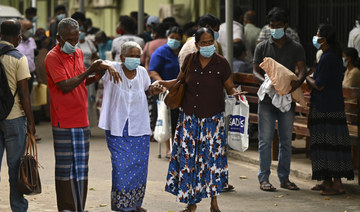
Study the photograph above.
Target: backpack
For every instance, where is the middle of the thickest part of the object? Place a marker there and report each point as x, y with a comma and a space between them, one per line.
6, 96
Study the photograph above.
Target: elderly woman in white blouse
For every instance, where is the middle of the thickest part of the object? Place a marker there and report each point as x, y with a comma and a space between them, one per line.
125, 118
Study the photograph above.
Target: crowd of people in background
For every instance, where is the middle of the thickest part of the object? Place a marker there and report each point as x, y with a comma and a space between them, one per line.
69, 56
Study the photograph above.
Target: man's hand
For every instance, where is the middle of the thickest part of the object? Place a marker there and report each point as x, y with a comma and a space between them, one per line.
294, 85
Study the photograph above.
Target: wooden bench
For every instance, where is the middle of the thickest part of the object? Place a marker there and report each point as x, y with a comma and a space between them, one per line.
251, 85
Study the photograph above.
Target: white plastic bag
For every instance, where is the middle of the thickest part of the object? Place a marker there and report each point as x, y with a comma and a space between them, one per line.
238, 123
162, 127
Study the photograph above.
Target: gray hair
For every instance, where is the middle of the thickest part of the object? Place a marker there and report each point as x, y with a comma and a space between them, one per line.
125, 47
66, 24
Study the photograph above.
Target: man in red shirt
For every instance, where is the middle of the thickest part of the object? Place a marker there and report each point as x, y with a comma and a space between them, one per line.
67, 77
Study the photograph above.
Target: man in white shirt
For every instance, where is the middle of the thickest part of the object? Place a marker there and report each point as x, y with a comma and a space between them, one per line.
354, 36
238, 29
128, 27
208, 21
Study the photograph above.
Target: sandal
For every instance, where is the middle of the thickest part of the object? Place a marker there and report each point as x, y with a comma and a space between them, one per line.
227, 188
266, 186
140, 209
330, 192
289, 185
318, 187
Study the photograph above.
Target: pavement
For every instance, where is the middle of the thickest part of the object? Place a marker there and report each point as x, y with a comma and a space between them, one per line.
242, 174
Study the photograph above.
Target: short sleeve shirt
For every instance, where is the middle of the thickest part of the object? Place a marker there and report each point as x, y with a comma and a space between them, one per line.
204, 93
126, 101
68, 110
288, 55
16, 69
165, 62
28, 48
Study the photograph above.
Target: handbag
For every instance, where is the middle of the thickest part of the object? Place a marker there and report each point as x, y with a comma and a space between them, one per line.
28, 177
162, 128
175, 97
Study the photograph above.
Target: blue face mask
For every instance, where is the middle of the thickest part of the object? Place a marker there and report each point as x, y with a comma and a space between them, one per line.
277, 33
131, 63
173, 43
68, 48
216, 35
60, 16
207, 51
315, 42
82, 36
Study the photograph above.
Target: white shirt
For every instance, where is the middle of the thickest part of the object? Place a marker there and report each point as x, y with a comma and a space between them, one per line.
117, 42
126, 101
238, 33
354, 39
283, 103
190, 47
88, 49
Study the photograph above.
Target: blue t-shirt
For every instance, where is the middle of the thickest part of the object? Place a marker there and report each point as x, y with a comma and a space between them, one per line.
165, 62
329, 73
104, 48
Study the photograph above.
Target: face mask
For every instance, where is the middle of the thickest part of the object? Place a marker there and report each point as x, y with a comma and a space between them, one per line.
152, 36
277, 33
60, 16
34, 19
173, 43
345, 62
216, 35
82, 36
131, 63
207, 51
68, 48
28, 33
315, 42
357, 24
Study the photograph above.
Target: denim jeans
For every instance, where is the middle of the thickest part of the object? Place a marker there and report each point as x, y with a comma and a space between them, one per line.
268, 114
13, 139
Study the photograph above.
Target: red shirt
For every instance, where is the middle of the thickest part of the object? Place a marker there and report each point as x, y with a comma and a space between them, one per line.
68, 110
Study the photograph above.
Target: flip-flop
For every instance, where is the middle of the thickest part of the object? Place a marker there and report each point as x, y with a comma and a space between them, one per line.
331, 192
228, 188
266, 186
289, 185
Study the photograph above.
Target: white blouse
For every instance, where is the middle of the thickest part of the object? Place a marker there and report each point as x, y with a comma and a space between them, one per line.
126, 101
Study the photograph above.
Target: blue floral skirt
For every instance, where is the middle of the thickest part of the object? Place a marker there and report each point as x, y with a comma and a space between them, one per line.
198, 165
129, 158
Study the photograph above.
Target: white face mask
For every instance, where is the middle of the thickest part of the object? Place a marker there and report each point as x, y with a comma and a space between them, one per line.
357, 24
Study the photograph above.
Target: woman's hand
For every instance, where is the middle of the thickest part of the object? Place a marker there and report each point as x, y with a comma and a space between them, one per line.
156, 88
114, 75
237, 94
